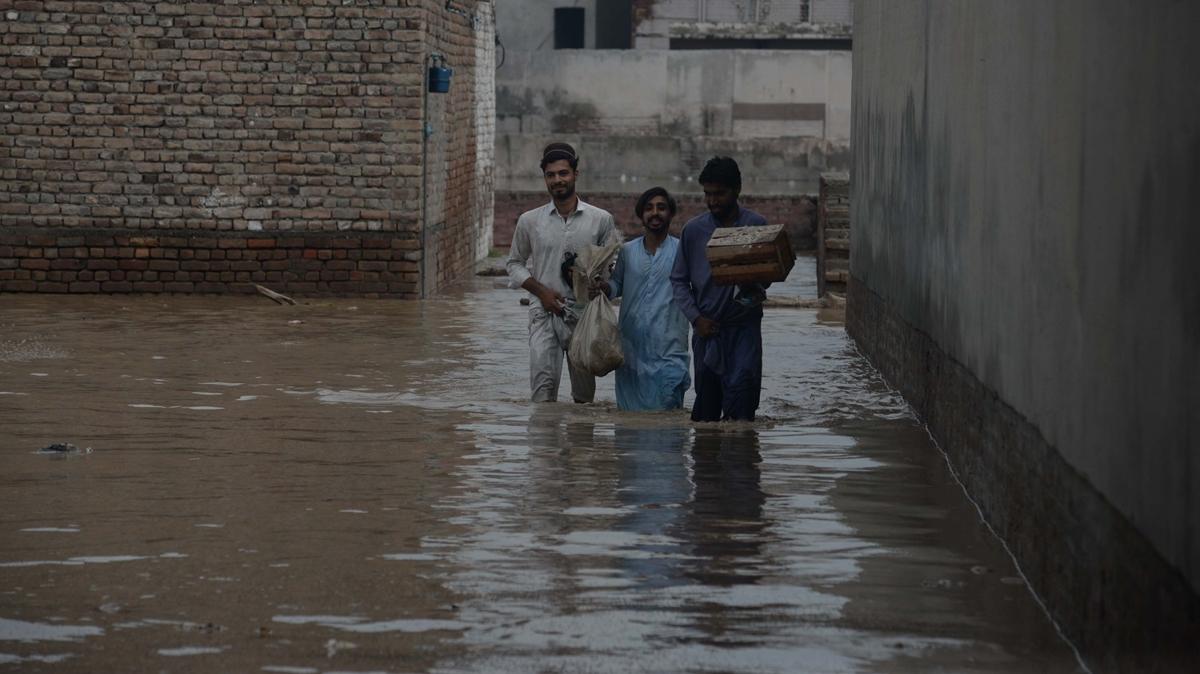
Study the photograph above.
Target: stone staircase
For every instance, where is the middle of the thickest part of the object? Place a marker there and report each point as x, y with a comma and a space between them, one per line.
833, 234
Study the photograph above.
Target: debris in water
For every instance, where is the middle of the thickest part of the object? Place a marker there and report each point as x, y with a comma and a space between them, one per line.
334, 645
278, 297
63, 448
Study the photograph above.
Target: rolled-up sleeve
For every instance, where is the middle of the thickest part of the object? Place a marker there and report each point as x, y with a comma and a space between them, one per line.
519, 254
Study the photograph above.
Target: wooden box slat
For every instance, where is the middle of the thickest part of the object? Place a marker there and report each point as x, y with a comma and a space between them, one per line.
750, 255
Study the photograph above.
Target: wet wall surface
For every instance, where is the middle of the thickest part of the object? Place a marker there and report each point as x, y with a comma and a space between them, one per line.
361, 486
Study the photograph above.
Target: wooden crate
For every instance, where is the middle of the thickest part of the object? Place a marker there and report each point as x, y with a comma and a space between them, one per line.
750, 255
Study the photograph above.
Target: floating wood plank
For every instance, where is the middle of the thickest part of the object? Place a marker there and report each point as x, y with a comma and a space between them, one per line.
280, 298
750, 255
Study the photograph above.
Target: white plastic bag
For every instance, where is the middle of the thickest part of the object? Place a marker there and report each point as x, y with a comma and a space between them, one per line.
596, 342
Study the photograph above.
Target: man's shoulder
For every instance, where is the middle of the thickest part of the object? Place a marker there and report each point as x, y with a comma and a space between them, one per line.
694, 222
532, 214
596, 211
753, 218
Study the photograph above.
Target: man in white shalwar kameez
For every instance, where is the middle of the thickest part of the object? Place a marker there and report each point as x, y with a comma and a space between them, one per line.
545, 239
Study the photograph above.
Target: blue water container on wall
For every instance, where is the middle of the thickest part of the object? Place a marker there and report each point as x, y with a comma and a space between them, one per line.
439, 79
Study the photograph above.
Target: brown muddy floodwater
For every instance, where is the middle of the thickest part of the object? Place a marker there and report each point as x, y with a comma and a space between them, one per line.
361, 486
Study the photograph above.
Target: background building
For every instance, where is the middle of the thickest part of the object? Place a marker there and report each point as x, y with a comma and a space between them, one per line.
203, 147
648, 90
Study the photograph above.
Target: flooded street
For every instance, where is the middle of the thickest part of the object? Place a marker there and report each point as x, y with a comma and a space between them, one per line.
362, 486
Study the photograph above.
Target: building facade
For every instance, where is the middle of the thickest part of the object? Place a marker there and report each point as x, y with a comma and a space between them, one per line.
207, 147
647, 90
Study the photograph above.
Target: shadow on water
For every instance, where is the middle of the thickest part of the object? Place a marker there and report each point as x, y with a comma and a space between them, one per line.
362, 486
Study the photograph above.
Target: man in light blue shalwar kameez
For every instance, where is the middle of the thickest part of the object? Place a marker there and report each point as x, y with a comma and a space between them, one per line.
654, 333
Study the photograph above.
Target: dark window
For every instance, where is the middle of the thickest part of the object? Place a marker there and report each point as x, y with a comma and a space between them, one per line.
614, 24
568, 27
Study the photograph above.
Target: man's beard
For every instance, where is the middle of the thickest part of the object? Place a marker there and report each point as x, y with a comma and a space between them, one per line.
563, 192
656, 225
721, 212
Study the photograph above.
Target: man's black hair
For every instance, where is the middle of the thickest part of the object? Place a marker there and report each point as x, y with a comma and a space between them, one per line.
558, 151
722, 171
649, 194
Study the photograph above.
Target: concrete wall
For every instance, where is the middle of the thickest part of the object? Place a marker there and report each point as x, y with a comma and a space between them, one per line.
653, 116
528, 25
485, 129
657, 21
736, 93
662, 113
1024, 199
131, 126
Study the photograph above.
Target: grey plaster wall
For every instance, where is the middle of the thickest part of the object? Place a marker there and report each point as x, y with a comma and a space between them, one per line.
662, 113
1026, 184
682, 92
527, 25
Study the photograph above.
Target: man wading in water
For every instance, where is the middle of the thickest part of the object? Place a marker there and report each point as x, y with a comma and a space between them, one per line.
654, 333
545, 239
727, 344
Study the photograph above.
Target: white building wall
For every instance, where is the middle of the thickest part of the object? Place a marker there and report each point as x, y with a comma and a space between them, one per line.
485, 126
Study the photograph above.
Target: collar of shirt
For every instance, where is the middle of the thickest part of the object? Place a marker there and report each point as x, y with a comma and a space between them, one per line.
579, 206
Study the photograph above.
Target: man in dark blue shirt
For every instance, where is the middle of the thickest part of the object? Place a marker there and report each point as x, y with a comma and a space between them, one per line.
727, 320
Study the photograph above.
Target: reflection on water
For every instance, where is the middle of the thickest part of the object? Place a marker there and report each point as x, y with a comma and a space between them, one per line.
368, 489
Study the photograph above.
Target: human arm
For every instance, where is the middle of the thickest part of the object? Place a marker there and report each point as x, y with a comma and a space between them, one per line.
518, 255
552, 300
681, 291
607, 232
519, 274
612, 288
607, 235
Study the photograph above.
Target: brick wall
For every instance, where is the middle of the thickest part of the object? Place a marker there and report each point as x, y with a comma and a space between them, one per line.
457, 186
833, 234
798, 213
106, 261
244, 119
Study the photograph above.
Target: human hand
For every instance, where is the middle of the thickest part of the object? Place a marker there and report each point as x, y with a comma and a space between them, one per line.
552, 301
598, 287
706, 327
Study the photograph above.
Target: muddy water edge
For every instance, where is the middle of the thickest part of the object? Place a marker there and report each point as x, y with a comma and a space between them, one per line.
356, 485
